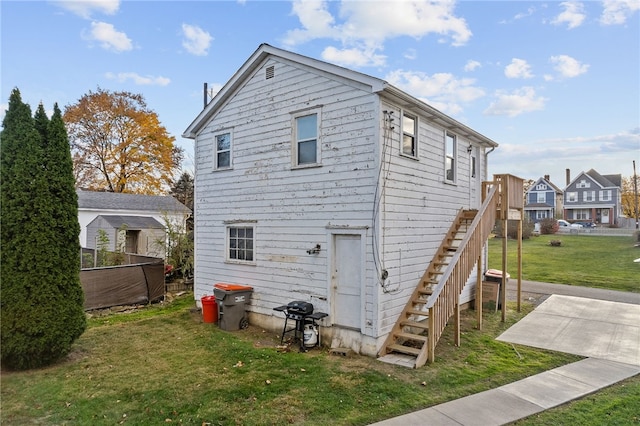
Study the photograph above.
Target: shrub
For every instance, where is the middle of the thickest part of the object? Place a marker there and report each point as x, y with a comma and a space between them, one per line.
549, 226
512, 229
42, 301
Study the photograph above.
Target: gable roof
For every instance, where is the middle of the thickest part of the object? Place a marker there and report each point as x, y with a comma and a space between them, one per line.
606, 181
374, 84
548, 182
118, 201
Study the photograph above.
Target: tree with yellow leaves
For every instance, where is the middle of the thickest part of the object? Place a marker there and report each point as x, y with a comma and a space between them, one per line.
119, 145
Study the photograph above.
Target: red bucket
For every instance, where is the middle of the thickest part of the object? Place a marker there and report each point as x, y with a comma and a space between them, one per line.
209, 309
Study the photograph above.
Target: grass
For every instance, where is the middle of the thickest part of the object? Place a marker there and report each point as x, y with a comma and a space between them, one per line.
617, 405
161, 364
170, 367
583, 260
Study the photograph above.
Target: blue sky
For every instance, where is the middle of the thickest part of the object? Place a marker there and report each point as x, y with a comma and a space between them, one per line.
556, 84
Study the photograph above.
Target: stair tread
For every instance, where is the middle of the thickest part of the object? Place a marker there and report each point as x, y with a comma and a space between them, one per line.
412, 336
404, 349
417, 312
416, 324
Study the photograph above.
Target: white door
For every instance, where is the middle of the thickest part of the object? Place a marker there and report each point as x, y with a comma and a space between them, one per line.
346, 280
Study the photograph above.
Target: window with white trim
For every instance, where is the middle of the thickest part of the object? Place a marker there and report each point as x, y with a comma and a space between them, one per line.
473, 166
541, 214
450, 157
305, 145
240, 243
572, 197
223, 151
409, 135
583, 184
589, 196
581, 214
605, 195
542, 197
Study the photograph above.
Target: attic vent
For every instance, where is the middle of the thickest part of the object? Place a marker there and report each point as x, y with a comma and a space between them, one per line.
270, 72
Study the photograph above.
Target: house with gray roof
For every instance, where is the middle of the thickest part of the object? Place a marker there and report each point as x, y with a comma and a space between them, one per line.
592, 197
543, 200
133, 222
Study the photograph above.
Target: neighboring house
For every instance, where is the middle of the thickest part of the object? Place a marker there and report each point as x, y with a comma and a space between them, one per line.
128, 234
322, 184
543, 200
132, 221
592, 197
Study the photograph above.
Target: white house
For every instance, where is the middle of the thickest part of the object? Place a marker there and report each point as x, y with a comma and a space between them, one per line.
318, 183
142, 218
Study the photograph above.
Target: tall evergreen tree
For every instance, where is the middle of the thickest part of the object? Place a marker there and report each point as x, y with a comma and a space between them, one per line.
41, 304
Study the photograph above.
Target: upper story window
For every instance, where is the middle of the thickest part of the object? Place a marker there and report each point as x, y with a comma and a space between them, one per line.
589, 196
306, 147
223, 151
541, 187
583, 184
605, 195
240, 244
572, 197
409, 135
542, 197
450, 157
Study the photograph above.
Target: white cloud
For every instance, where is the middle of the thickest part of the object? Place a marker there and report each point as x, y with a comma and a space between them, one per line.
616, 12
532, 159
410, 54
518, 68
108, 37
3, 111
515, 103
573, 15
442, 90
138, 79
567, 66
196, 40
472, 65
353, 57
365, 26
85, 8
213, 89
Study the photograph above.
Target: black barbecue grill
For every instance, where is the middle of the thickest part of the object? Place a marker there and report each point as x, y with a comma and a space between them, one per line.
302, 313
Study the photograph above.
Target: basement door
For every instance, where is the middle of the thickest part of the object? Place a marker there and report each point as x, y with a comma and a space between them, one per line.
346, 277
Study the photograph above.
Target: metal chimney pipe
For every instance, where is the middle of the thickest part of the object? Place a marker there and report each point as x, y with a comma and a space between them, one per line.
205, 95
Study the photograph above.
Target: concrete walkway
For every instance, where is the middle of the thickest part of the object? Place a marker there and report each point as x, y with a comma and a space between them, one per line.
607, 332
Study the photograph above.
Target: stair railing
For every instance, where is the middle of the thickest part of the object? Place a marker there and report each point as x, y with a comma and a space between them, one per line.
445, 298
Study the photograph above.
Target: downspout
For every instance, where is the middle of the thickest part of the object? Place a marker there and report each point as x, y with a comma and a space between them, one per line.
486, 163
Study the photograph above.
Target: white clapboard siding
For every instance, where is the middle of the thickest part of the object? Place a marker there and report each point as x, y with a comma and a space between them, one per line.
295, 209
291, 208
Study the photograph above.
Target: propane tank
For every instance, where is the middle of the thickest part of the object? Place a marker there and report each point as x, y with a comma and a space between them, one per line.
310, 336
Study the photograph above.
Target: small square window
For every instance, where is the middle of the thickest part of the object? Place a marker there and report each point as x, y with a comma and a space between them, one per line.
240, 244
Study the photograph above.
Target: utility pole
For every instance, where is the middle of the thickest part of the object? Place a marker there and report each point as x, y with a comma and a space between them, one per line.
635, 191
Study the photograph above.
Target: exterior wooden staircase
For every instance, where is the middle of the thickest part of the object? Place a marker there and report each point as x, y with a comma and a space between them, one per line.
436, 297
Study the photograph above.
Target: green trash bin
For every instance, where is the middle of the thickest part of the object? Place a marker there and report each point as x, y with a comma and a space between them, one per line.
232, 301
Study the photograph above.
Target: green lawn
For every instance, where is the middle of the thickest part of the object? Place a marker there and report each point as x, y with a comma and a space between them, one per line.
583, 260
161, 364
172, 368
